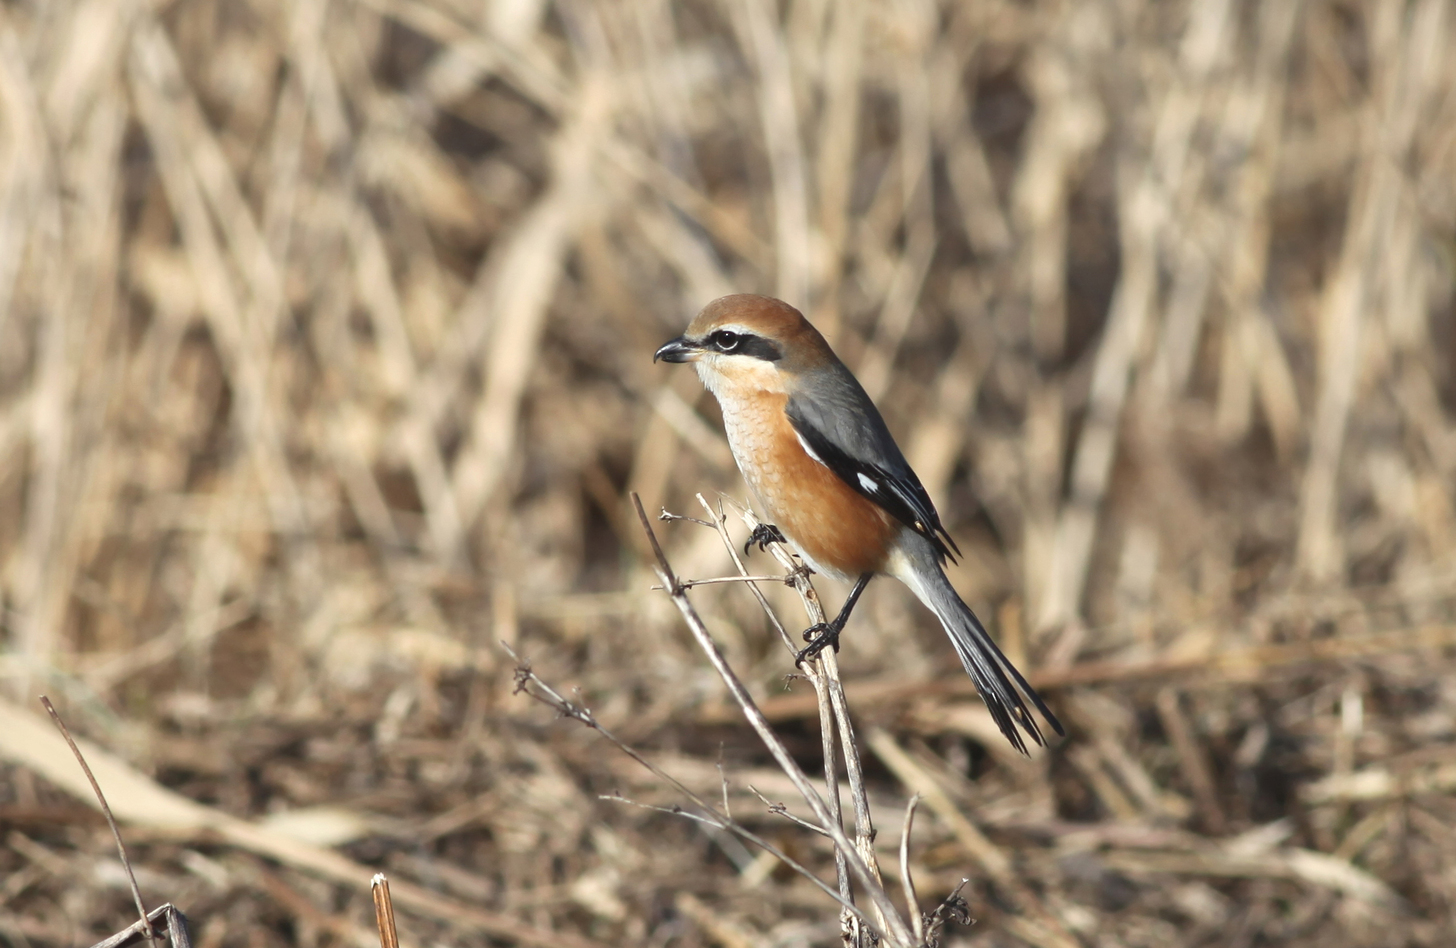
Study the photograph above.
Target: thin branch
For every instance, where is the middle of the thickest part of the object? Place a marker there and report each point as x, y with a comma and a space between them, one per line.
533, 686
831, 781
816, 676
669, 517
897, 930
864, 827
136, 892
669, 810
723, 782
825, 677
912, 901
690, 583
780, 809
720, 524
145, 928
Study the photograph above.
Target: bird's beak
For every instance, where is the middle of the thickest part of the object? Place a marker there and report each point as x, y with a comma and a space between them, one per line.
678, 350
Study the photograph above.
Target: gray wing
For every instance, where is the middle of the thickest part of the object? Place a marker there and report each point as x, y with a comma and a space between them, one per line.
845, 432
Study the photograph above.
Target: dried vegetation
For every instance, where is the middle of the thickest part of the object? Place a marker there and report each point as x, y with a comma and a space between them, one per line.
325, 335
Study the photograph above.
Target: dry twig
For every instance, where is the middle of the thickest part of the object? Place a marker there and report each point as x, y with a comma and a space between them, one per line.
136, 893
895, 927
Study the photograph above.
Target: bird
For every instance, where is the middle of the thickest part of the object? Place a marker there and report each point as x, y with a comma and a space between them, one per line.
828, 475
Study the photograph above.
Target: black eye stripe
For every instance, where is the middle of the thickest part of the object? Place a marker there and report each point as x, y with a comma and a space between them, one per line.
730, 342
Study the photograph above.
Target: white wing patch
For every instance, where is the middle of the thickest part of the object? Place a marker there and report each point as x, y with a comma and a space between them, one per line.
808, 450
866, 482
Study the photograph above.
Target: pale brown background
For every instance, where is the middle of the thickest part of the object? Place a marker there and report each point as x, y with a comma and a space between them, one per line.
325, 364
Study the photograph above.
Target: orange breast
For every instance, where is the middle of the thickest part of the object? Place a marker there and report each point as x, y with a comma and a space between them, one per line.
840, 532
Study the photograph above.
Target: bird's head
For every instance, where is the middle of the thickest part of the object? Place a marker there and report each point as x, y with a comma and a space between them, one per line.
746, 342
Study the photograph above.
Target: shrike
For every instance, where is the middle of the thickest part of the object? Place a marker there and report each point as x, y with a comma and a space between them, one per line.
823, 466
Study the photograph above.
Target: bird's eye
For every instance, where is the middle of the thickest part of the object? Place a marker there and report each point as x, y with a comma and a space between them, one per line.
725, 341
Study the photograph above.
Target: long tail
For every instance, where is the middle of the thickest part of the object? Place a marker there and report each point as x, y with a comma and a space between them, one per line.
991, 670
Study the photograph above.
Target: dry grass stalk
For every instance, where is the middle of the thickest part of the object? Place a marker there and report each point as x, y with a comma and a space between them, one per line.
912, 899
136, 893
384, 911
163, 916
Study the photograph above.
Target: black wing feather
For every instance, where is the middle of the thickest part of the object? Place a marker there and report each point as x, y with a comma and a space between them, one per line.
868, 452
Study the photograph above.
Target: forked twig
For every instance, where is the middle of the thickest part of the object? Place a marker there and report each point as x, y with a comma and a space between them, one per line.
780, 809
146, 928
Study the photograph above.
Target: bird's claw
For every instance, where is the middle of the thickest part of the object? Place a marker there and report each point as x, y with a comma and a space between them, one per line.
820, 636
763, 535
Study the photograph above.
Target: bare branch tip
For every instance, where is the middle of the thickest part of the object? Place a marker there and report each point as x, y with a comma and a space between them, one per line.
668, 516
136, 892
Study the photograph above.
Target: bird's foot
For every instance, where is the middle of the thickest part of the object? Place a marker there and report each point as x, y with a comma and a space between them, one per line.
819, 636
763, 535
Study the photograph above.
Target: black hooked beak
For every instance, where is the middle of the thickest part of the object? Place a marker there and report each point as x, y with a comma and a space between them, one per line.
678, 350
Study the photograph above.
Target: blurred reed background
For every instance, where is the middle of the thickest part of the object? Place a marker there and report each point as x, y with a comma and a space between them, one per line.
325, 365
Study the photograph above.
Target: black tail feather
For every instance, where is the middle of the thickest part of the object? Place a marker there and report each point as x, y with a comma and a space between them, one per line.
1003, 688
994, 675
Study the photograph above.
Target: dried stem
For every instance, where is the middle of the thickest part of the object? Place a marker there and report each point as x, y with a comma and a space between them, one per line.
383, 911
824, 674
146, 927
530, 683
136, 893
895, 928
815, 672
912, 901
